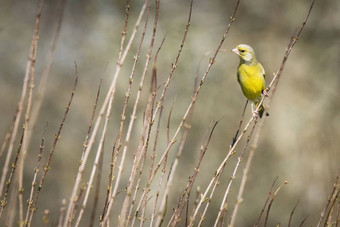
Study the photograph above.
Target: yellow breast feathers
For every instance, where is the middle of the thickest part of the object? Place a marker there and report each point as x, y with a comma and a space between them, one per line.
252, 81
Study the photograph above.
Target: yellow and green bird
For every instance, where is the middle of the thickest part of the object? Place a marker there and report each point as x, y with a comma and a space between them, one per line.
251, 76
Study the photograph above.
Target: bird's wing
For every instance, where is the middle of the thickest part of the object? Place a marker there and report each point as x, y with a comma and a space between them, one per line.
262, 71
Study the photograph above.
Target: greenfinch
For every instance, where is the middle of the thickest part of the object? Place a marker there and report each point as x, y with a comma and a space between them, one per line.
251, 76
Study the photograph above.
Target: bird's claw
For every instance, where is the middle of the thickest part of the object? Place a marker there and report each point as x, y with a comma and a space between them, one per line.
265, 93
255, 114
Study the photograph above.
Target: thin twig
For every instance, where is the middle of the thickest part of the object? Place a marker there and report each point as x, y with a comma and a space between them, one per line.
239, 198
185, 196
96, 162
272, 200
32, 116
328, 221
329, 200
162, 96
187, 127
132, 119
17, 117
21, 164
85, 144
127, 96
129, 131
6, 139
97, 190
62, 213
291, 214
240, 124
153, 156
265, 204
47, 165
194, 98
174, 64
141, 153
207, 199
337, 219
109, 187
101, 113
36, 171
239, 160
153, 89
3, 202
77, 204
303, 221
128, 92
334, 199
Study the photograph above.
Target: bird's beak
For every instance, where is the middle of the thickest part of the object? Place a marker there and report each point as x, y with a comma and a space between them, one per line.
235, 50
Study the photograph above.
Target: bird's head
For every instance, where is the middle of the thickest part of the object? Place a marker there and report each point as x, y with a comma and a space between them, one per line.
245, 52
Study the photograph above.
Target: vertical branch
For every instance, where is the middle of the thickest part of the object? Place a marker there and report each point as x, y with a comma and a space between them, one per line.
336, 189
3, 202
36, 171
337, 215
97, 190
45, 74
24, 144
96, 162
211, 62
109, 187
291, 214
174, 64
292, 43
28, 127
127, 97
153, 92
30, 62
47, 165
153, 215
185, 196
240, 124
162, 97
194, 98
4, 143
62, 212
272, 200
239, 198
129, 131
265, 204
174, 165
111, 197
143, 148
153, 155
216, 182
102, 109
85, 144
239, 159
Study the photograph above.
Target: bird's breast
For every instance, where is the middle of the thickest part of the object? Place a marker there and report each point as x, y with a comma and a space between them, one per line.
251, 81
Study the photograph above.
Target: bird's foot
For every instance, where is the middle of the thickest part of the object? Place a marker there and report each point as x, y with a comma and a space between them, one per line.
265, 93
255, 114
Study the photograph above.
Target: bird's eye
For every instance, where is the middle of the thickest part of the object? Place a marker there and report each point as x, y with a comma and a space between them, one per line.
242, 51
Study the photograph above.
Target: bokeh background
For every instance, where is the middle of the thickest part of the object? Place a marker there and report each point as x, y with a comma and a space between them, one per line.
300, 140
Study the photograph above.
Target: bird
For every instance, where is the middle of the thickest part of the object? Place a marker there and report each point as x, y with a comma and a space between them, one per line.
251, 77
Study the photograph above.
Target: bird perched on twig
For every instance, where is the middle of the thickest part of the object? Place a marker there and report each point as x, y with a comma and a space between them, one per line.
251, 77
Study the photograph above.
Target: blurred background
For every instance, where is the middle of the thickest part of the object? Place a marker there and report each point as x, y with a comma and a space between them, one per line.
300, 139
